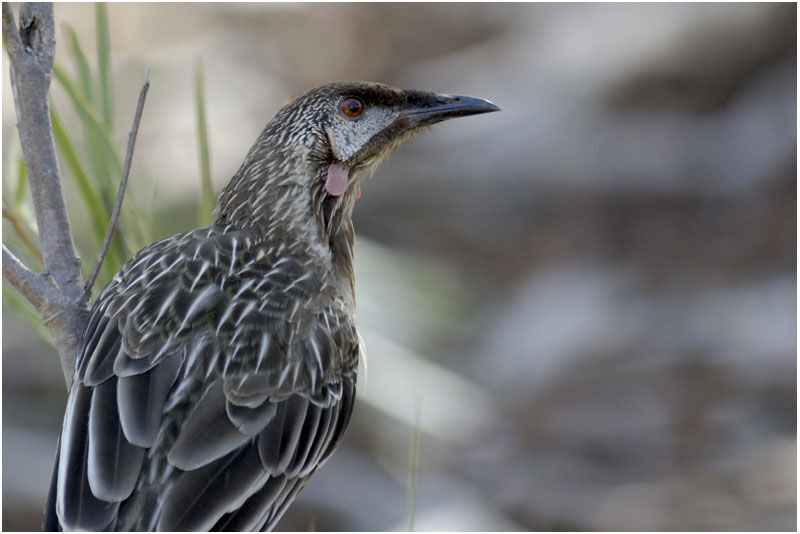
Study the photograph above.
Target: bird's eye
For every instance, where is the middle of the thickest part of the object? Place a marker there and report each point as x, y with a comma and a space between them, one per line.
352, 107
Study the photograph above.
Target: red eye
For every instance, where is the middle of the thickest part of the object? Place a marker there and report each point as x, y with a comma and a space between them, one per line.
352, 107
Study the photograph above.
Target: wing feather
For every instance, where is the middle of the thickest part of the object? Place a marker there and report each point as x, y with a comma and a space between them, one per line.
113, 462
199, 498
99, 354
311, 425
141, 399
93, 364
265, 507
251, 421
322, 438
277, 443
102, 368
76, 505
252, 515
208, 434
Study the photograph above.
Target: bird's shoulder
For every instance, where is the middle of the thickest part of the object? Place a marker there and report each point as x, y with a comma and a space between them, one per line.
238, 264
229, 304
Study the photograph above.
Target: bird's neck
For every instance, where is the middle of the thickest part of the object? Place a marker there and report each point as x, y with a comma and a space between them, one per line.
274, 203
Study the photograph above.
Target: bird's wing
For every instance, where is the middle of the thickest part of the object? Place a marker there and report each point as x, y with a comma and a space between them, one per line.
216, 380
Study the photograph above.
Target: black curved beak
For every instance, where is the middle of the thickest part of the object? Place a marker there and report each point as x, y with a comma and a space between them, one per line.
443, 107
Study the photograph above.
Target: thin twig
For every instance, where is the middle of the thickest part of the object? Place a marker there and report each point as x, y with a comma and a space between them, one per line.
126, 169
10, 34
34, 287
11, 217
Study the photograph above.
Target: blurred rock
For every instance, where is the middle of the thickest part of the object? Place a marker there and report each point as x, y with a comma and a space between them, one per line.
769, 478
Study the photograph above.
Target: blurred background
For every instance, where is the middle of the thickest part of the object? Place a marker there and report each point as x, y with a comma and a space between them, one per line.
579, 313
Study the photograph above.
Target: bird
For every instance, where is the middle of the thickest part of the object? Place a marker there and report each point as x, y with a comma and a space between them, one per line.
217, 371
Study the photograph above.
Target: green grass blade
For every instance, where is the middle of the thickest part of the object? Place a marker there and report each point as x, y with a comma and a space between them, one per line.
98, 164
99, 214
14, 175
103, 157
91, 199
22, 180
91, 121
101, 146
96, 209
26, 246
81, 64
207, 198
151, 211
22, 308
10, 169
104, 63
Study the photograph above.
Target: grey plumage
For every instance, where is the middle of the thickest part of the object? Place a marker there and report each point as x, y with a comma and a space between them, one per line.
218, 368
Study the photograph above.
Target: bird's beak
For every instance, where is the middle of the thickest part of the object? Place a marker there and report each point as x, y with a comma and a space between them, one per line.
443, 107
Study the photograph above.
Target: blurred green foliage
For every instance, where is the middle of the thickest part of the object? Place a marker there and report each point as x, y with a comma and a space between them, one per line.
94, 166
207, 189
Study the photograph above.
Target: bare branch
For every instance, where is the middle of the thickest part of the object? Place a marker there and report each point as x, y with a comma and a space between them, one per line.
60, 300
126, 168
31, 70
34, 287
56, 313
58, 293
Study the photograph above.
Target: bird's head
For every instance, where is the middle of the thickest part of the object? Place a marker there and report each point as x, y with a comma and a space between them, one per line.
319, 147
